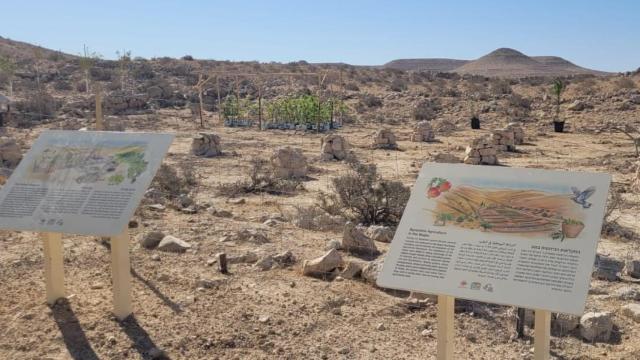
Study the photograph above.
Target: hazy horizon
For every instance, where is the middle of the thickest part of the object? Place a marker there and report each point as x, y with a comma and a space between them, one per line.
599, 35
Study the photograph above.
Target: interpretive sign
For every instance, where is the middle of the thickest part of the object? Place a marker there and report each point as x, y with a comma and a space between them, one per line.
524, 237
81, 182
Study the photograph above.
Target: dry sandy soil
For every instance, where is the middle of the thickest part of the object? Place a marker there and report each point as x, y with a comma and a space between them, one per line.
280, 314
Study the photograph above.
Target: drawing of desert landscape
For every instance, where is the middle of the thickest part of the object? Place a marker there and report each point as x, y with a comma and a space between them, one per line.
109, 163
514, 211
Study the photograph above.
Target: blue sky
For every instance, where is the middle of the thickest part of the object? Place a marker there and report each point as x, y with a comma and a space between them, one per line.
601, 34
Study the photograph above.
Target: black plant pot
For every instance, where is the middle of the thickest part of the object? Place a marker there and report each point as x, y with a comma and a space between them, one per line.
558, 126
475, 123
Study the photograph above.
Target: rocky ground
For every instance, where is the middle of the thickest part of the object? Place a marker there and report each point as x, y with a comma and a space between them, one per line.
186, 309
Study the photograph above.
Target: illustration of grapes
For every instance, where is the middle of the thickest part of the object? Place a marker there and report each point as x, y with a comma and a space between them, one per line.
437, 186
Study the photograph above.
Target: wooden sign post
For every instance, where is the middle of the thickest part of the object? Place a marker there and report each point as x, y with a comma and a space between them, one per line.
483, 233
445, 327
91, 169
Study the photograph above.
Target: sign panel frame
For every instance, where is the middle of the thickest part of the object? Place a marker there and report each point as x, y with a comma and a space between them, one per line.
81, 182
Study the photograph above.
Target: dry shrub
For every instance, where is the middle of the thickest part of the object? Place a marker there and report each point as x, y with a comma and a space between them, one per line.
169, 183
500, 87
363, 196
371, 101
261, 179
398, 85
315, 218
615, 204
426, 110
37, 106
624, 83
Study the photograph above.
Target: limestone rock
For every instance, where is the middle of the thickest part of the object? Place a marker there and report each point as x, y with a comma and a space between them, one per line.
173, 244
355, 240
207, 145
333, 244
247, 257
632, 311
334, 147
627, 293
596, 326
578, 105
423, 132
352, 270
607, 268
324, 264
380, 233
288, 162
285, 259
251, 235
264, 264
384, 139
151, 239
371, 270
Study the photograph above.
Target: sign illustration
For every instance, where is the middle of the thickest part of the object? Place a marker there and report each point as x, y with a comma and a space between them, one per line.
524, 237
81, 182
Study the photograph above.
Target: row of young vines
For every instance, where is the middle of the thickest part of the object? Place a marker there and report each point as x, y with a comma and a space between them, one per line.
303, 109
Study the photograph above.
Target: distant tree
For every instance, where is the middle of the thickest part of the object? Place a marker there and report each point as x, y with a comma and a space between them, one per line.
38, 56
8, 67
557, 89
124, 63
87, 60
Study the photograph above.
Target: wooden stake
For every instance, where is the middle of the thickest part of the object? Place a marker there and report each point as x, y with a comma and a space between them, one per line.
542, 335
99, 117
121, 272
53, 266
222, 263
445, 327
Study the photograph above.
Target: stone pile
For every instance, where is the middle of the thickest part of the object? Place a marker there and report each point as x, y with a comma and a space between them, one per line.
481, 152
207, 145
518, 132
503, 140
423, 131
334, 147
384, 139
288, 162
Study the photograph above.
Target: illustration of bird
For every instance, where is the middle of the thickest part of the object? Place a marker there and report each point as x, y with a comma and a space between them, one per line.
580, 197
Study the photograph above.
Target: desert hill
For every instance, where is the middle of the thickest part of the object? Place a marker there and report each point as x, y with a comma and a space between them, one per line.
436, 65
503, 62
22, 51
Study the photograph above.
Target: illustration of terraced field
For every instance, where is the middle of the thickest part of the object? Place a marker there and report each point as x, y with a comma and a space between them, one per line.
523, 212
112, 165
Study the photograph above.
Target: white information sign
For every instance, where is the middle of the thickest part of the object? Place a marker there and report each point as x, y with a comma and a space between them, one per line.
81, 182
523, 237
